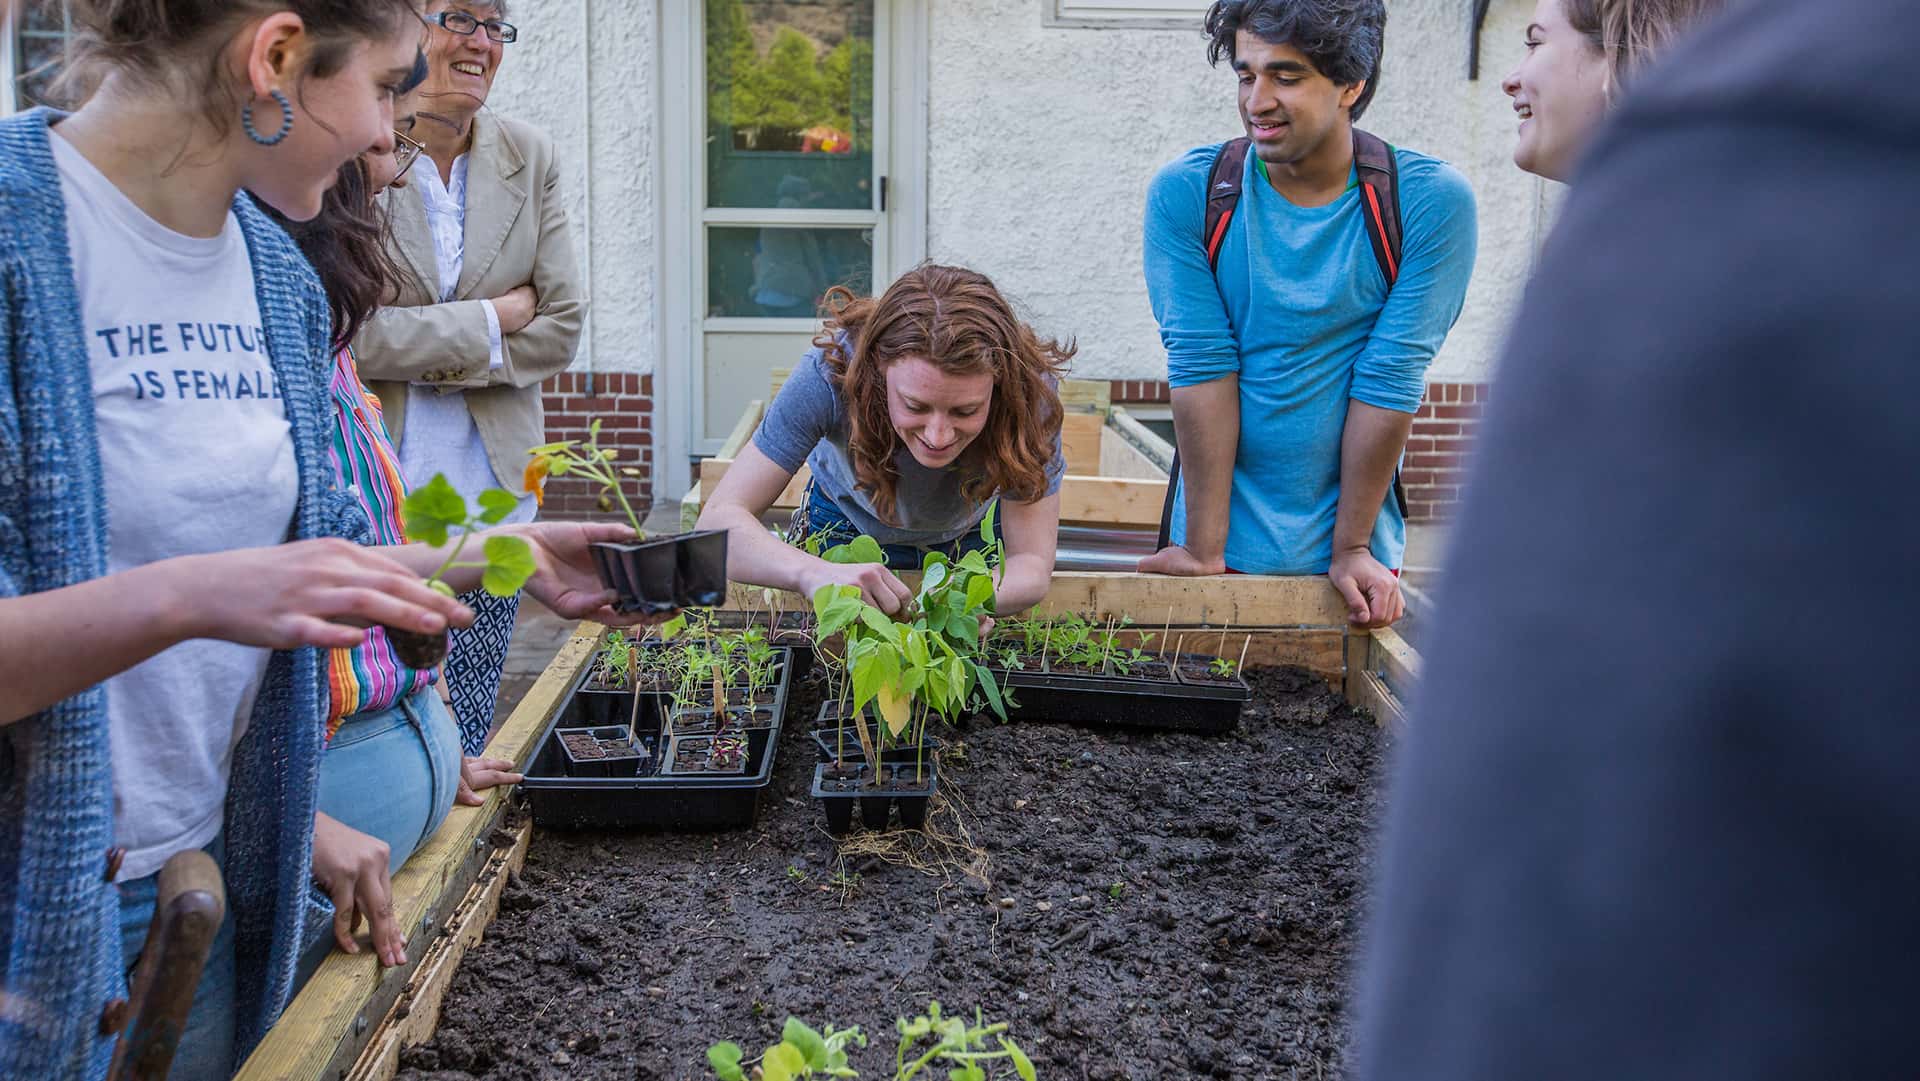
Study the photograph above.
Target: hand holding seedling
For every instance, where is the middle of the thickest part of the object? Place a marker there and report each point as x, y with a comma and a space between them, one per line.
564, 578
314, 593
860, 563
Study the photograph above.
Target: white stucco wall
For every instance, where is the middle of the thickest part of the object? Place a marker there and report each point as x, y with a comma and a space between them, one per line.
585, 72
1042, 141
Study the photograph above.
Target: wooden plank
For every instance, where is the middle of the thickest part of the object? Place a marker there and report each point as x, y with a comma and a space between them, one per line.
742, 430
414, 1017
1120, 458
324, 1029
1086, 396
1239, 600
1396, 661
1367, 691
712, 469
1080, 442
1143, 438
690, 507
1111, 501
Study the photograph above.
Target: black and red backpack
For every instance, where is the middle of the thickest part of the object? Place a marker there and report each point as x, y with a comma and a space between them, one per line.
1379, 176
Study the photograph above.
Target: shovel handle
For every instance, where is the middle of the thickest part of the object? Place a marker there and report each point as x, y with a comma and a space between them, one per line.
187, 912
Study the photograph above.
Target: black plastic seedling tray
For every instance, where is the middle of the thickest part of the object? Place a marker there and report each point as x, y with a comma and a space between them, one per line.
686, 570
838, 797
1123, 702
650, 801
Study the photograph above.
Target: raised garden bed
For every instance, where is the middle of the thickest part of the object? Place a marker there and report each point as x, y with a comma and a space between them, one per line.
1134, 905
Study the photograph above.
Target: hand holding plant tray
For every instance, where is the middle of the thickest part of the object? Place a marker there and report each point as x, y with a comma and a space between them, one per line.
687, 570
432, 512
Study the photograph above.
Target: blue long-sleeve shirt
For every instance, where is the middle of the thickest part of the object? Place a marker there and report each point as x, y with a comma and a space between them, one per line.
1300, 311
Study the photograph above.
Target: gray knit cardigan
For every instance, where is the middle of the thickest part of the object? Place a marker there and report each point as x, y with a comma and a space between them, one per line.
58, 916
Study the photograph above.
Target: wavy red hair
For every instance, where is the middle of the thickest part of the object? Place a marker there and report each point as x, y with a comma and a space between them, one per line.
959, 322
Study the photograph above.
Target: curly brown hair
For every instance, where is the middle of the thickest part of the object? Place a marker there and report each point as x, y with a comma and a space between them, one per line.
958, 321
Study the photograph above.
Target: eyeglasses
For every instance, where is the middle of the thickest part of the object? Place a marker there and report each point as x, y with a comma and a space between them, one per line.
459, 22
406, 151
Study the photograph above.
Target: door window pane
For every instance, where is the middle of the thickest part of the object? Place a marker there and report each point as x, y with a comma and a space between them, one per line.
41, 30
783, 271
790, 103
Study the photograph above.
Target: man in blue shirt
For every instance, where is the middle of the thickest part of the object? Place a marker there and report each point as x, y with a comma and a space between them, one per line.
1295, 369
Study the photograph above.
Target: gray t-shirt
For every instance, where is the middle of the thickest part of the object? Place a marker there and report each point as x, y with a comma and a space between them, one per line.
808, 423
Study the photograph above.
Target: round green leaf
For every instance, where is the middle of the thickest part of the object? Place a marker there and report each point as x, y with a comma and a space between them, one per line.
509, 565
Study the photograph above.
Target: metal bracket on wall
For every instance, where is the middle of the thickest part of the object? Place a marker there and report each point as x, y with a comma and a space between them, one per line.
1473, 38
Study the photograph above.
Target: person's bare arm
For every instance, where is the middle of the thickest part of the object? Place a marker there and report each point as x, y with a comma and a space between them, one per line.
1370, 448
1032, 532
757, 557
1206, 424
57, 643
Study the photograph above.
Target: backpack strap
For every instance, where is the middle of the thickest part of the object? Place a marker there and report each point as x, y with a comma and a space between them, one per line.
1379, 176
1223, 193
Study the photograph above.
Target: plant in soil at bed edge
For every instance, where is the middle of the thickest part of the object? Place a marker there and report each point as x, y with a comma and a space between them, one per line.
970, 1052
429, 514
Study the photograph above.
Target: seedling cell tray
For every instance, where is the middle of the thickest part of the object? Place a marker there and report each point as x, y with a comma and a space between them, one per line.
1128, 702
687, 570
838, 795
649, 800
826, 739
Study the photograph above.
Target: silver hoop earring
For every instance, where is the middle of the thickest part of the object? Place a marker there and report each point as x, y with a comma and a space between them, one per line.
286, 121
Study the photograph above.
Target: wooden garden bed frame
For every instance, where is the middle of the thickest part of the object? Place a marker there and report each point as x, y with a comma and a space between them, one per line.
352, 1019
1116, 467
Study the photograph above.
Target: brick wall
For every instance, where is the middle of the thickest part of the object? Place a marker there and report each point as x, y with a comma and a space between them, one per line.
623, 403
1436, 450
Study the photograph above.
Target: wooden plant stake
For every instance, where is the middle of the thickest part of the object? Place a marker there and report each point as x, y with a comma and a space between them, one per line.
1222, 650
1241, 668
1166, 629
1178, 646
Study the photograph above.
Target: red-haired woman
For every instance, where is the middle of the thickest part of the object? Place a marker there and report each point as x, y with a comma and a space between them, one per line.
916, 410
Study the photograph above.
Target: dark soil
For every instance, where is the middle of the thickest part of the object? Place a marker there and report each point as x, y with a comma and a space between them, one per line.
418, 651
1134, 905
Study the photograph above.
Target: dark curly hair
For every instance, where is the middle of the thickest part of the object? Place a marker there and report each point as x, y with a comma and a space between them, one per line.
1343, 38
955, 319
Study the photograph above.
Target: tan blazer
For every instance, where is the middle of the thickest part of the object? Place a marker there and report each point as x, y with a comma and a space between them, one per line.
516, 233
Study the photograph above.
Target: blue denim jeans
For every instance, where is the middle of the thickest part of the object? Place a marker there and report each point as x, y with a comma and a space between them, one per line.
391, 774
818, 514
206, 1045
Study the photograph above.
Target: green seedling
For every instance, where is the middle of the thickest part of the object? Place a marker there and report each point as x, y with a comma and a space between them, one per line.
969, 1052
588, 459
435, 510
796, 875
1222, 667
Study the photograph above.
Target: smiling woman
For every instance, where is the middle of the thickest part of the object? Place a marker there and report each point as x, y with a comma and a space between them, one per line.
490, 306
916, 410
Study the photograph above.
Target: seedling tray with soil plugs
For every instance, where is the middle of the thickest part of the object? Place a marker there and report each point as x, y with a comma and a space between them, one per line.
1182, 704
606, 751
839, 788
649, 798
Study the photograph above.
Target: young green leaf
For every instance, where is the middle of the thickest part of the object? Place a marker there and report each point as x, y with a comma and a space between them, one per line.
810, 1042
1022, 1065
495, 505
783, 1062
431, 510
509, 565
725, 1059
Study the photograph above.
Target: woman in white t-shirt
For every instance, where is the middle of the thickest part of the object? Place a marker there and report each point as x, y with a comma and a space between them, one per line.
161, 439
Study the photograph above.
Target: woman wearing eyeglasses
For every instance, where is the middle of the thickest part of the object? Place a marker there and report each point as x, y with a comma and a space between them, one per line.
490, 305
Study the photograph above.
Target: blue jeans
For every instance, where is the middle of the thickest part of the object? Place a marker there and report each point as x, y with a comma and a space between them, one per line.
817, 514
206, 1044
391, 774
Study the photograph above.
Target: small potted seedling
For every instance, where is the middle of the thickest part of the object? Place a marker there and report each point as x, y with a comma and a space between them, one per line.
430, 514
687, 570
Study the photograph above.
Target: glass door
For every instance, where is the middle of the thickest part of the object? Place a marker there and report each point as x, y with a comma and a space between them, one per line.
792, 192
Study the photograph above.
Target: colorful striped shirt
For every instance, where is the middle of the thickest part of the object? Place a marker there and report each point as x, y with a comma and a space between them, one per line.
368, 676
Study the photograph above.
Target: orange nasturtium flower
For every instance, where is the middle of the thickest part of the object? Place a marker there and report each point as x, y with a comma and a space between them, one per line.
535, 480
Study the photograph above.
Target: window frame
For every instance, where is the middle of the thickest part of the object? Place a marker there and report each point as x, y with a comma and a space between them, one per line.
1122, 15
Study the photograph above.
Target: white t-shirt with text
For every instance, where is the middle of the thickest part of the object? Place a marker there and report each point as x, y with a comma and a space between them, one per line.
196, 456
